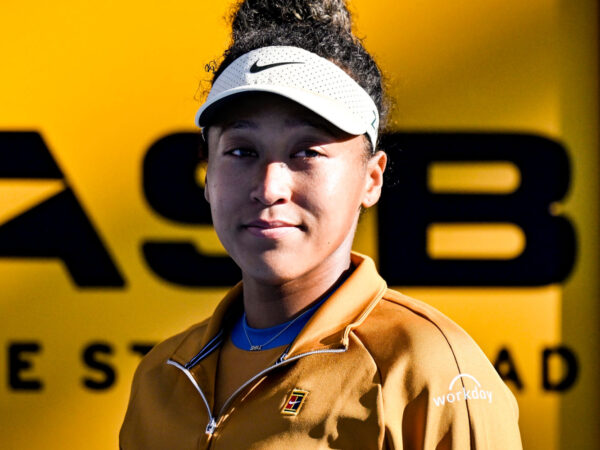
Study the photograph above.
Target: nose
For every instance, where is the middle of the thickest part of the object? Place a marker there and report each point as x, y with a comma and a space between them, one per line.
272, 184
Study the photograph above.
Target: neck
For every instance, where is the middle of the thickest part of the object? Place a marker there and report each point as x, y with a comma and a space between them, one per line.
267, 305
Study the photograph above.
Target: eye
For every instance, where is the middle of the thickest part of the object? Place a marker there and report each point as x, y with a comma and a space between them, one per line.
308, 153
241, 152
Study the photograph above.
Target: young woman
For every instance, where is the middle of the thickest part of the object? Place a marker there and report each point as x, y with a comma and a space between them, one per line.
310, 349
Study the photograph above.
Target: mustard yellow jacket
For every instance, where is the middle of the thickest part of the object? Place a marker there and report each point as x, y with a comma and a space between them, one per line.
378, 370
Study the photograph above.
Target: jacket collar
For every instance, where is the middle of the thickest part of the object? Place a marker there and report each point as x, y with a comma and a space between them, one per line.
329, 327
347, 307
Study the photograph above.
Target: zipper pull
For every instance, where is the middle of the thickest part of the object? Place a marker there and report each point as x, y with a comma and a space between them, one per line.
283, 355
211, 427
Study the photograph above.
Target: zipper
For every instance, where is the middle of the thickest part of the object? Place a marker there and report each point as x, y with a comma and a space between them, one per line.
281, 361
212, 423
211, 346
211, 427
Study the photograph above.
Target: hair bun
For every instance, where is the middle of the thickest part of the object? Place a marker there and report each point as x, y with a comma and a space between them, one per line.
255, 15
322, 27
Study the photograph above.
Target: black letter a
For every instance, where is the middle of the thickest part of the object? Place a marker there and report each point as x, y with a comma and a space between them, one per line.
57, 227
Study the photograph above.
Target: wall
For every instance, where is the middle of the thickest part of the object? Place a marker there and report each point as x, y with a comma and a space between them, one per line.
98, 182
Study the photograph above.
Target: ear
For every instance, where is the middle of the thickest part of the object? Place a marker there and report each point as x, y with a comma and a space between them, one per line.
375, 168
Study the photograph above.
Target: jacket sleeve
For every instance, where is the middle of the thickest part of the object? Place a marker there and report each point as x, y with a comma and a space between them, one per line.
439, 391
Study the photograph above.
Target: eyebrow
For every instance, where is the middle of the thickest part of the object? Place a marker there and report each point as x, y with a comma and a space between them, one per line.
305, 121
241, 124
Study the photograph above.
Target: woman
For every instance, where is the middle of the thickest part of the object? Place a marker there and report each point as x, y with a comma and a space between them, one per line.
310, 350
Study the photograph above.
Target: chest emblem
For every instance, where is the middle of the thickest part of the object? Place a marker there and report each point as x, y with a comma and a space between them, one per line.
294, 402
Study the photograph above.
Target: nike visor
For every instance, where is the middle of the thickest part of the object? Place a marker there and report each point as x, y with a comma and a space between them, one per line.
303, 77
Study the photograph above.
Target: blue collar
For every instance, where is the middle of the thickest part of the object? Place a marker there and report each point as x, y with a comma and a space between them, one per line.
260, 335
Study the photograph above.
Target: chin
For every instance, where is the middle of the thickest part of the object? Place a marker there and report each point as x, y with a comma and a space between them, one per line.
271, 269
269, 277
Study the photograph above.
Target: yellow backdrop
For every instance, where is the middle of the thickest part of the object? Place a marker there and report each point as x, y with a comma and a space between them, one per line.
88, 88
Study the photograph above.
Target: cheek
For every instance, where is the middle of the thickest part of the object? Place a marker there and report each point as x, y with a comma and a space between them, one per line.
221, 195
336, 194
347, 184
219, 179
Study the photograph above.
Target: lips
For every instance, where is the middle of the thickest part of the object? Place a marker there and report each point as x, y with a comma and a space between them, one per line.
270, 229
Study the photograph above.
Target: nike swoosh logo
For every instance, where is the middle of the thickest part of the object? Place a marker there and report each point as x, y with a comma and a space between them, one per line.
255, 68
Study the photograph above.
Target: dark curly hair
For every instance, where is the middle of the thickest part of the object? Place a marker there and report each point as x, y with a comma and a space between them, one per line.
323, 27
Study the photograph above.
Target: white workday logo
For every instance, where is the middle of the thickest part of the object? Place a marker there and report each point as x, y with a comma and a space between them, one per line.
462, 393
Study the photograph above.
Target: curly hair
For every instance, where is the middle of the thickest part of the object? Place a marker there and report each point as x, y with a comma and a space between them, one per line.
323, 27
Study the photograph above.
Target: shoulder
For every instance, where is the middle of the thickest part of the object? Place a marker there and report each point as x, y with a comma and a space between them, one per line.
413, 343
155, 360
170, 345
414, 327
434, 376
154, 386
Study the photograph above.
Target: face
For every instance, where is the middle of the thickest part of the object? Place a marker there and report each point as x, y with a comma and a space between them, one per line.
285, 187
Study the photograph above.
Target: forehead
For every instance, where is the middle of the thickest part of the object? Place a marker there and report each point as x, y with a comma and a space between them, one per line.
254, 109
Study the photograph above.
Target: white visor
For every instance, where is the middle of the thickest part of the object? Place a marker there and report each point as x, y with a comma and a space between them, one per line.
299, 75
